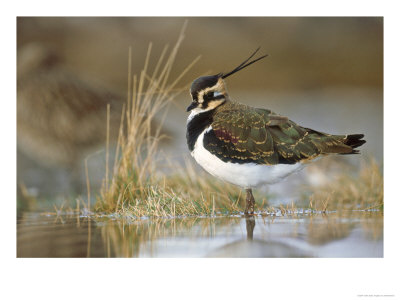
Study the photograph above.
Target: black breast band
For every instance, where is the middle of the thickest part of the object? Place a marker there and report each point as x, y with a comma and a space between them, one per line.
196, 126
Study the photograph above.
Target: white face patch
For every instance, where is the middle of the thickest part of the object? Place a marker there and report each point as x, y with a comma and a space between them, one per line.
198, 110
193, 112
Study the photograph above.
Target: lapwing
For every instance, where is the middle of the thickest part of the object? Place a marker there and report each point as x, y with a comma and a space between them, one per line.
62, 114
248, 146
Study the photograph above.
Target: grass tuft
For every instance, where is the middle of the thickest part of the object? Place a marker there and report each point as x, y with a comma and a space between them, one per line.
134, 186
360, 191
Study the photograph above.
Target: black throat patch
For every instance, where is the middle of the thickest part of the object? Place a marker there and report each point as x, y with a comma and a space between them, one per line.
196, 126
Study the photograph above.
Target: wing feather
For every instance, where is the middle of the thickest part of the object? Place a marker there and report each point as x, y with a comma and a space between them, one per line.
244, 134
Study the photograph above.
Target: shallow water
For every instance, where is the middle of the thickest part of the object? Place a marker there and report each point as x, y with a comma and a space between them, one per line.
356, 234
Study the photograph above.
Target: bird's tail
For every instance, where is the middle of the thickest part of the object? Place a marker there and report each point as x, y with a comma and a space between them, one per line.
354, 141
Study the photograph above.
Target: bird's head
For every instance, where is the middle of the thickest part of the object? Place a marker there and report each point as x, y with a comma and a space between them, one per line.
208, 92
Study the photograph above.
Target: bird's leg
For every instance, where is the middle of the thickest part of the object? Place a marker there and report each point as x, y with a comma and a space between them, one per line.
249, 202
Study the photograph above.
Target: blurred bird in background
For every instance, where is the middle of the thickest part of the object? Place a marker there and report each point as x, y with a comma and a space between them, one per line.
61, 117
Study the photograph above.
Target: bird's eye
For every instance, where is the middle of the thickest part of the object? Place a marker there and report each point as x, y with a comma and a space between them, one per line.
208, 96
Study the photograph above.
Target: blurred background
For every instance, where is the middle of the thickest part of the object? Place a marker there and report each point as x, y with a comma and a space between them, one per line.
324, 73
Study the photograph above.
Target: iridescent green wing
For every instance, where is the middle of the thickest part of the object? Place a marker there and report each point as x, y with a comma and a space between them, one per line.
262, 137
241, 135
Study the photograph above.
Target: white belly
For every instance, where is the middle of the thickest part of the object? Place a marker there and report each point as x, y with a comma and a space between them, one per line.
245, 175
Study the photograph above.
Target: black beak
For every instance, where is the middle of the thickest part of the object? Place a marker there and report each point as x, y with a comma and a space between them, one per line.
191, 106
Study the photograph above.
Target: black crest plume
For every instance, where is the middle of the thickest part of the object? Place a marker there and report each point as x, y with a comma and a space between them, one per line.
244, 64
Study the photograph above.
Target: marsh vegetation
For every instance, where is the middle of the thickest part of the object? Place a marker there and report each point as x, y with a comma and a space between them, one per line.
137, 186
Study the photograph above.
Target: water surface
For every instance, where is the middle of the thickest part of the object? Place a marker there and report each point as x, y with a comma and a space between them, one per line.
355, 234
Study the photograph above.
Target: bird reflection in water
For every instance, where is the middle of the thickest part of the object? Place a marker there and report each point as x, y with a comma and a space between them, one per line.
250, 224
